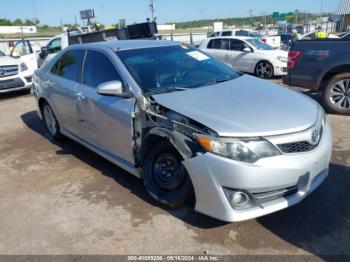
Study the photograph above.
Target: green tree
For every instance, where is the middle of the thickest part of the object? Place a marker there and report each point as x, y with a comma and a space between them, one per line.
17, 22
28, 22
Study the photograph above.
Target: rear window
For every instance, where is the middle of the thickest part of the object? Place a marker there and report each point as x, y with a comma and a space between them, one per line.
70, 65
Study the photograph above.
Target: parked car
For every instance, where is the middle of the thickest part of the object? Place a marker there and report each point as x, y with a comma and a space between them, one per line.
16, 70
188, 124
248, 55
322, 65
54, 46
274, 41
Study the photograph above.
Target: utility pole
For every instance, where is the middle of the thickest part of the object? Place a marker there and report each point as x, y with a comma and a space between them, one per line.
296, 16
152, 8
201, 16
321, 8
250, 16
35, 13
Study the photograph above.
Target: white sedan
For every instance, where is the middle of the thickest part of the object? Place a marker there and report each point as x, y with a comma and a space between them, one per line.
248, 55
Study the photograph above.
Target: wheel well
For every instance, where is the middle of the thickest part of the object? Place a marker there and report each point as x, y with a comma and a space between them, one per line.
148, 143
41, 102
333, 72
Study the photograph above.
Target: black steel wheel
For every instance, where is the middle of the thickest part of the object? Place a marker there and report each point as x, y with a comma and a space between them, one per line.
165, 176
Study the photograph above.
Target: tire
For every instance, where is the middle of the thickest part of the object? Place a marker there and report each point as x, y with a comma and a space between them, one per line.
264, 70
51, 122
336, 95
164, 160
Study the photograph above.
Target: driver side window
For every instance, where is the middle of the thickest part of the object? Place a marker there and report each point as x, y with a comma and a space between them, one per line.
22, 48
54, 46
236, 45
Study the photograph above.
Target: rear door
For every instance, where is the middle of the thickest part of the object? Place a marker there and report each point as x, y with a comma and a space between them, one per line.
64, 80
104, 121
218, 48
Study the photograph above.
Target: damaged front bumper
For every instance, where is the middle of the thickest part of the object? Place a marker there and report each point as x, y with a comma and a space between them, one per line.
273, 183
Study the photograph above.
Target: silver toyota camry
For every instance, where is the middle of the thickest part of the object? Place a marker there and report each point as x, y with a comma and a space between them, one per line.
188, 125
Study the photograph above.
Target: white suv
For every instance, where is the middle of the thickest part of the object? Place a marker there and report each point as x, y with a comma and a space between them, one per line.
16, 70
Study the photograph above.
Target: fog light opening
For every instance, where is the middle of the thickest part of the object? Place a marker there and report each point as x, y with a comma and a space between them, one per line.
239, 199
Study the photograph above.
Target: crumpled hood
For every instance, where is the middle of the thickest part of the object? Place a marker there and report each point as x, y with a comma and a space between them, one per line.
245, 106
7, 60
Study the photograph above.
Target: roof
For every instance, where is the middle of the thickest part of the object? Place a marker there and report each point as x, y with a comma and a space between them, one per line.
343, 8
232, 37
132, 44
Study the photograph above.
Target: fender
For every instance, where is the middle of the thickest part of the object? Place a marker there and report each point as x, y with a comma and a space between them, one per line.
186, 146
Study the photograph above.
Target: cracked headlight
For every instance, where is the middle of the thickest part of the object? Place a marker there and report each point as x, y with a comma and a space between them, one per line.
23, 67
282, 59
248, 150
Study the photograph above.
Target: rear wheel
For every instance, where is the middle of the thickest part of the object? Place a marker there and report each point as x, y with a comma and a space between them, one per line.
337, 94
165, 176
264, 70
51, 122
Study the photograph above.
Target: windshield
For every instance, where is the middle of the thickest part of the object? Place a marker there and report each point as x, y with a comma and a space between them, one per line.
260, 45
174, 68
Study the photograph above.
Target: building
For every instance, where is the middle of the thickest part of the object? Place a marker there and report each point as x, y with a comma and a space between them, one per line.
344, 11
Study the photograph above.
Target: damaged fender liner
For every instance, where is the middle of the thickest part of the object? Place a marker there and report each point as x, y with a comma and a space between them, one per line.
163, 123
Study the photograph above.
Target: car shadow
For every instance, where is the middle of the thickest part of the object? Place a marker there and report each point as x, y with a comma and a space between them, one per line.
319, 225
14, 94
123, 178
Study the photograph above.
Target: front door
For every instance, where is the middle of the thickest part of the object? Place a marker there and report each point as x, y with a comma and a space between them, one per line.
105, 122
24, 51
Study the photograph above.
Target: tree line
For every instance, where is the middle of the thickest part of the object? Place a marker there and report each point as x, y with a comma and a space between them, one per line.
255, 20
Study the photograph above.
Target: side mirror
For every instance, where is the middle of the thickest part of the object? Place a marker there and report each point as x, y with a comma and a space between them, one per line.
247, 50
43, 53
112, 88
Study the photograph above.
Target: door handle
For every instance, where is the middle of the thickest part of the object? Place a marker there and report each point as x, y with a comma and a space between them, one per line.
80, 96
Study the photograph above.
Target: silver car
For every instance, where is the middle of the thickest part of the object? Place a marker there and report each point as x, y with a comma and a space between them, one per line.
188, 125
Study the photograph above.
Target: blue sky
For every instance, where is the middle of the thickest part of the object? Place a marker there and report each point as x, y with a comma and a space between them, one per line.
110, 11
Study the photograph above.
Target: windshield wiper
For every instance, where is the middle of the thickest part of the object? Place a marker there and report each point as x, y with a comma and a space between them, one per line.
168, 90
215, 81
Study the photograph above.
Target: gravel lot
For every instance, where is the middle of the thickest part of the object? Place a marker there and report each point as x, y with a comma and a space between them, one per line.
64, 199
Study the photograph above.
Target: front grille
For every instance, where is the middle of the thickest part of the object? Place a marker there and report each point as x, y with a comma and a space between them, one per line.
296, 147
263, 197
11, 83
8, 70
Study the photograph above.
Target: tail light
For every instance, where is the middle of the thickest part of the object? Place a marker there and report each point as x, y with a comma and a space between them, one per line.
263, 39
293, 57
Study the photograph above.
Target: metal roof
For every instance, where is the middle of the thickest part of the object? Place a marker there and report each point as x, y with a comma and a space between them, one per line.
132, 44
343, 8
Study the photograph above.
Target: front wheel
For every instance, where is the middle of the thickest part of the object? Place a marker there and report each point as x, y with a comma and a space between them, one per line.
264, 70
337, 94
165, 176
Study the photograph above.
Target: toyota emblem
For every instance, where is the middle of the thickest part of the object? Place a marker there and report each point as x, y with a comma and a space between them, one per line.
2, 72
315, 136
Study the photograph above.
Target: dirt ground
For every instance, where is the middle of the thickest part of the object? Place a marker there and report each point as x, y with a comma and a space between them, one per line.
64, 199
